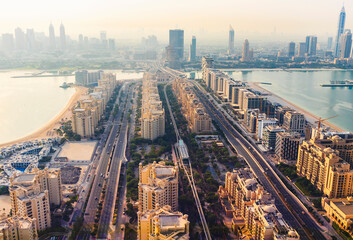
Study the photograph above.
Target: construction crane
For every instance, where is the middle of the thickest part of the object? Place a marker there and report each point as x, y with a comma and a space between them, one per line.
321, 120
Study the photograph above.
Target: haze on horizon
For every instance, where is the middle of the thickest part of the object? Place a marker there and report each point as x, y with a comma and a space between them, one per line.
258, 20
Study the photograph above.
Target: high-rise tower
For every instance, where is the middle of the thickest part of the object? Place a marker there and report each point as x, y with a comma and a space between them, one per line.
341, 22
62, 37
346, 44
192, 52
51, 37
176, 41
291, 49
231, 40
246, 55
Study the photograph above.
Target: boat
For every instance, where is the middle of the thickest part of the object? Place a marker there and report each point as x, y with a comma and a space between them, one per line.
344, 83
65, 85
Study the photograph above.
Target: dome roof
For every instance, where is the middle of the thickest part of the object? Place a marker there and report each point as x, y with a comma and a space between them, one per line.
269, 209
250, 181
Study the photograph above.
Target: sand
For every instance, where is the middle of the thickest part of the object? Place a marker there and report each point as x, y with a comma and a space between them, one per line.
312, 118
49, 129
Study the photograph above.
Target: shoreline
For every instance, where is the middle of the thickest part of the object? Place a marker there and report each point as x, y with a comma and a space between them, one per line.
47, 131
281, 69
310, 117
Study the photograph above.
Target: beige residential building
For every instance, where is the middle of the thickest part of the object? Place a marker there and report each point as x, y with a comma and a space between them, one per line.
161, 224
325, 169
158, 186
89, 109
294, 121
152, 111
193, 110
32, 194
18, 228
340, 211
343, 145
252, 208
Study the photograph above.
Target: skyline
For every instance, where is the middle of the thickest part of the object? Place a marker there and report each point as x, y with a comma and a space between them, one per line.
196, 18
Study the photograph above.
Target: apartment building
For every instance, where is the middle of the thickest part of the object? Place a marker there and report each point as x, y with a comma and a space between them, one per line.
158, 186
89, 109
152, 111
33, 193
269, 136
325, 169
294, 121
287, 145
18, 228
162, 223
252, 208
193, 110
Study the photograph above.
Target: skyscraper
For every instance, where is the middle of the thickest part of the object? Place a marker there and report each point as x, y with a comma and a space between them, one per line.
311, 43
231, 40
176, 41
103, 36
329, 43
30, 39
302, 49
192, 52
341, 22
291, 49
20, 39
62, 37
51, 37
246, 55
346, 44
307, 43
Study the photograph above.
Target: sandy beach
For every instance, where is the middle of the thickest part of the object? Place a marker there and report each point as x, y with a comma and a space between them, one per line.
49, 130
312, 118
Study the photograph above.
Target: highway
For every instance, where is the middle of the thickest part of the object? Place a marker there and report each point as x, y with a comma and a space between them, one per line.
189, 174
101, 172
292, 210
114, 174
286, 203
83, 191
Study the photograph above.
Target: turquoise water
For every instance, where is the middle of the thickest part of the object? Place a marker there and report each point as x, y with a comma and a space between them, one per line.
27, 104
303, 89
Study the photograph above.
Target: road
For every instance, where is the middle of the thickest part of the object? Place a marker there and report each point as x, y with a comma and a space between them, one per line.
101, 172
83, 191
113, 173
286, 203
290, 207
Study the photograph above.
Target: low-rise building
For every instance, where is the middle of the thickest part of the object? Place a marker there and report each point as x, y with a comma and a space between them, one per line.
340, 211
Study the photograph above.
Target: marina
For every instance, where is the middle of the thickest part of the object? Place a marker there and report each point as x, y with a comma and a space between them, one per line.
345, 83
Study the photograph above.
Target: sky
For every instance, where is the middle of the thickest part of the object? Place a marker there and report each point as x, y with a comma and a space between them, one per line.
257, 20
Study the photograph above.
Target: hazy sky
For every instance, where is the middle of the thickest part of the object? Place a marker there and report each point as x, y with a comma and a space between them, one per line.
129, 19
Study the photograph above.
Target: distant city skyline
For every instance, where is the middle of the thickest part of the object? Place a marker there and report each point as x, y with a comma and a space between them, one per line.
256, 20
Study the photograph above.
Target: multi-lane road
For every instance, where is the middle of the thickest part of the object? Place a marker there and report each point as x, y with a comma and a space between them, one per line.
113, 173
101, 172
291, 208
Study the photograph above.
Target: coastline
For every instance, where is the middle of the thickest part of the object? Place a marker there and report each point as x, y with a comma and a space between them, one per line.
281, 69
47, 131
310, 117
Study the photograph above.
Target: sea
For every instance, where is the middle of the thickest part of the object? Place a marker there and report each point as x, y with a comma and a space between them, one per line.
303, 89
27, 104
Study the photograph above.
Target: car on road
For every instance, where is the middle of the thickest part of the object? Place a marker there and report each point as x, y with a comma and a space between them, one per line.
96, 199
